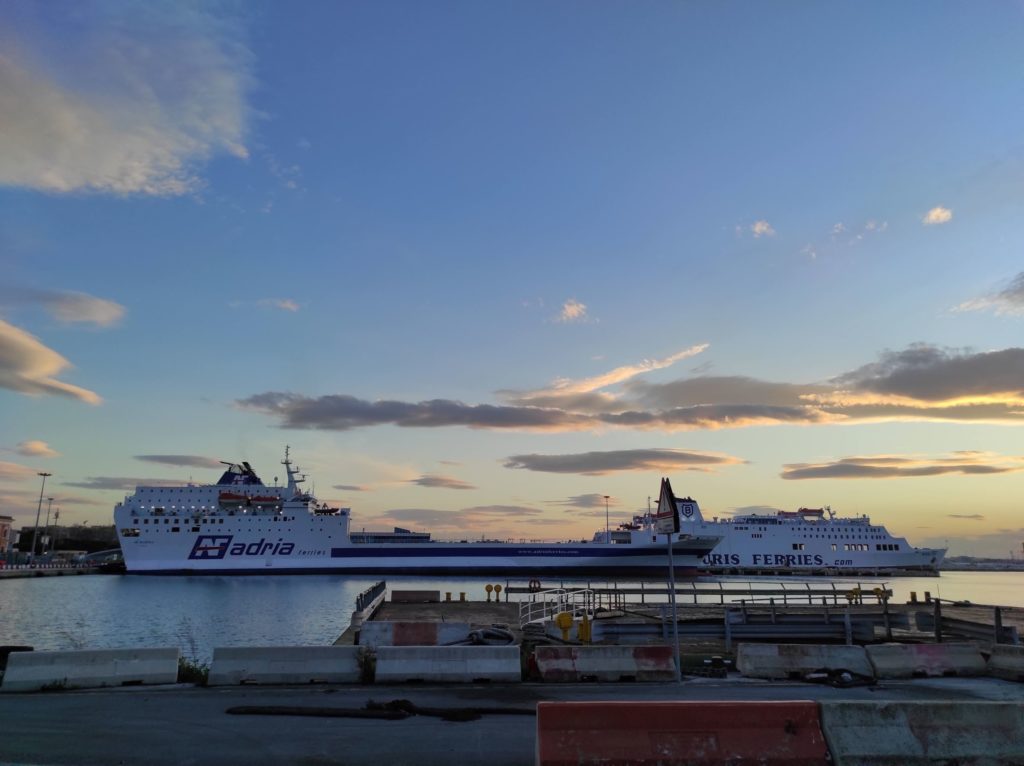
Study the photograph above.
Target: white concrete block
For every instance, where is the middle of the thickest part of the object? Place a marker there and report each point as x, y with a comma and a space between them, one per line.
32, 671
285, 665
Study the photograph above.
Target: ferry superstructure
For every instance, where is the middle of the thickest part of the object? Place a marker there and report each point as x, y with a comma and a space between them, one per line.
242, 526
805, 541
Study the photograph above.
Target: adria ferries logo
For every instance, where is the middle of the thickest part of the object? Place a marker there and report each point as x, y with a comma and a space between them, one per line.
219, 546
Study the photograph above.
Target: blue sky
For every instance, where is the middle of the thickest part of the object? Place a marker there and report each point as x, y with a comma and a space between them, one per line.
483, 264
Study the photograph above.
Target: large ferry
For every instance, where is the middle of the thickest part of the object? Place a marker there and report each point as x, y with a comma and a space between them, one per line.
242, 526
806, 541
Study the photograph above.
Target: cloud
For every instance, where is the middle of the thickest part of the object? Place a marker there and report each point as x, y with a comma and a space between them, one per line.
351, 487
29, 367
970, 516
121, 483
66, 306
565, 386
762, 229
932, 374
602, 463
120, 98
36, 448
592, 500
937, 215
572, 311
921, 382
905, 466
442, 482
190, 461
15, 471
284, 304
1009, 300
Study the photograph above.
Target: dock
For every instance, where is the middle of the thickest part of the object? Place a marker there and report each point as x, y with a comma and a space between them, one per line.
46, 570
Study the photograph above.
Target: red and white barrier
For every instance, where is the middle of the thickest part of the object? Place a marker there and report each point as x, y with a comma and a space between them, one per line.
568, 664
695, 733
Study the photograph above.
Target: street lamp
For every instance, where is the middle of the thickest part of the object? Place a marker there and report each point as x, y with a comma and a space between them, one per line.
607, 531
39, 509
46, 528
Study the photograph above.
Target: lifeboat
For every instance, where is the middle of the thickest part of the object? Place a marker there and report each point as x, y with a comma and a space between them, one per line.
232, 499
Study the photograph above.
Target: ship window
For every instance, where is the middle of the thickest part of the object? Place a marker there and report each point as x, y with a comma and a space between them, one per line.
145, 521
195, 529
798, 546
833, 546
175, 529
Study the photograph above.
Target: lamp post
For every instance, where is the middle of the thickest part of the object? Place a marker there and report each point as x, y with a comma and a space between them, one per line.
607, 530
56, 526
46, 527
39, 509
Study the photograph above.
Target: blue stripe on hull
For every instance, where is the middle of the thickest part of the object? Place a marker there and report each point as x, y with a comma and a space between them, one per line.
470, 551
576, 572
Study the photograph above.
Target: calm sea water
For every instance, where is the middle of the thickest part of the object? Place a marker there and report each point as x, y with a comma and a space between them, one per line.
199, 613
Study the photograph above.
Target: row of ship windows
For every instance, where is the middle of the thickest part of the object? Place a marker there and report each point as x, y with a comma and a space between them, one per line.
135, 531
211, 521
827, 537
857, 546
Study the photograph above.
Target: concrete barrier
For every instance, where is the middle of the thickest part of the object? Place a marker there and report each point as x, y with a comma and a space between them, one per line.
797, 660
466, 664
605, 663
909, 660
912, 733
32, 671
285, 665
694, 733
1006, 662
379, 633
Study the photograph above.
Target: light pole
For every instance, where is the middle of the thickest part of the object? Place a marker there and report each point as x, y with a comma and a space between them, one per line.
607, 531
46, 527
39, 509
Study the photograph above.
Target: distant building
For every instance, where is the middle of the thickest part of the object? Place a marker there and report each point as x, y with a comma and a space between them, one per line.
5, 533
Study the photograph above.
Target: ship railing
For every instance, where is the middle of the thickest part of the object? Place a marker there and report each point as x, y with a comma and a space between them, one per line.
542, 605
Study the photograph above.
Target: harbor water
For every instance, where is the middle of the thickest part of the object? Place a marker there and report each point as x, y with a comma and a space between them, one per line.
200, 613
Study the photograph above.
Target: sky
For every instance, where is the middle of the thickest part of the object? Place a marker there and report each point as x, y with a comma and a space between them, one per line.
482, 265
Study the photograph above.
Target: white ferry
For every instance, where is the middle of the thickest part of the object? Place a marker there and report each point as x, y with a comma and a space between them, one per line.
242, 526
809, 540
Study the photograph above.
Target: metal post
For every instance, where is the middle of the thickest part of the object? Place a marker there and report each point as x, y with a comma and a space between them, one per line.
46, 528
997, 623
39, 509
607, 530
675, 618
938, 622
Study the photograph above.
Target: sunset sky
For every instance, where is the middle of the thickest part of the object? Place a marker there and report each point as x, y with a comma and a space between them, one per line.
482, 264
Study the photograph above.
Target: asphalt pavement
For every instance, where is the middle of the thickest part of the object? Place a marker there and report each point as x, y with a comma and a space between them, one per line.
183, 725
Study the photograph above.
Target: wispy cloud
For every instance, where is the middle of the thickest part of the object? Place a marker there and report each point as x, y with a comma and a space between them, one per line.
66, 306
572, 311
762, 229
15, 471
1008, 300
602, 463
565, 386
968, 516
277, 304
36, 448
441, 482
133, 97
350, 487
189, 461
284, 304
592, 500
937, 215
905, 466
29, 367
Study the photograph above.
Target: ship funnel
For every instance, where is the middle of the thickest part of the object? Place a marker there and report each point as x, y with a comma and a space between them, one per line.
689, 510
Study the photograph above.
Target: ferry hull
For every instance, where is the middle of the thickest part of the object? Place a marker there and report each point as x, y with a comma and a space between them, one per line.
417, 559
